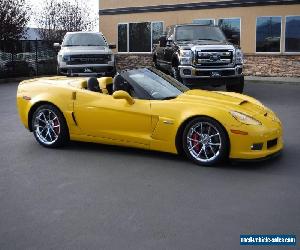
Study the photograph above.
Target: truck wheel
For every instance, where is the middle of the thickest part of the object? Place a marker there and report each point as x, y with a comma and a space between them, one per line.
175, 73
236, 85
58, 71
155, 64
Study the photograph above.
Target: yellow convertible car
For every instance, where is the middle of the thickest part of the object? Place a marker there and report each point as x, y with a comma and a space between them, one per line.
147, 109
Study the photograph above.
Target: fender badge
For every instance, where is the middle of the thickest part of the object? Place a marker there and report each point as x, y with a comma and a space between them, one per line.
169, 122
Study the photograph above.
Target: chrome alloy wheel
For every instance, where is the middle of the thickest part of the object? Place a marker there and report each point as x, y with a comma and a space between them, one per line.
204, 142
46, 126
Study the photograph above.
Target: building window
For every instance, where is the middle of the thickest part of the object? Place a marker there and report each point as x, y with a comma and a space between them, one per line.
292, 34
268, 33
122, 38
231, 28
204, 21
139, 37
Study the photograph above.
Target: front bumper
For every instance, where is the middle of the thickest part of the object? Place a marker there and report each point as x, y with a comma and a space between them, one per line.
87, 69
191, 72
241, 146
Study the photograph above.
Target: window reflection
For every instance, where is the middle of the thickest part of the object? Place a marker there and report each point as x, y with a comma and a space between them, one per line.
268, 32
292, 34
231, 28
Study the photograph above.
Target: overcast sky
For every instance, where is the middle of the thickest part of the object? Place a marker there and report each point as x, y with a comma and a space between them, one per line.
36, 4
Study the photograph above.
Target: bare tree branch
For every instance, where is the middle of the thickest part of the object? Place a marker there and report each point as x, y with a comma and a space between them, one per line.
14, 16
58, 17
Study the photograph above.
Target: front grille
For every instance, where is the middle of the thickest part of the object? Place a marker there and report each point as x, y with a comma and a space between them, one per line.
91, 70
272, 143
212, 73
89, 59
214, 57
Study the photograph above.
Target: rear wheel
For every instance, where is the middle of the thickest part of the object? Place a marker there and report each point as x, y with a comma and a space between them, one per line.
236, 85
49, 127
205, 141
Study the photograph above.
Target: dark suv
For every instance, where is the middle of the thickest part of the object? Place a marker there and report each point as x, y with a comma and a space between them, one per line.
196, 54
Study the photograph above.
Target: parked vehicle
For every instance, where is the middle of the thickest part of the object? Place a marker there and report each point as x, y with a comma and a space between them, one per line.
85, 53
148, 109
196, 54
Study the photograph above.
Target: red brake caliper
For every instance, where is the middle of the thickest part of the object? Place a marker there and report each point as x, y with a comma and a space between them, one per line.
195, 142
55, 123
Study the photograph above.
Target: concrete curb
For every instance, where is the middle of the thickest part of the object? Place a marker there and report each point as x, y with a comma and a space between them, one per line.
273, 80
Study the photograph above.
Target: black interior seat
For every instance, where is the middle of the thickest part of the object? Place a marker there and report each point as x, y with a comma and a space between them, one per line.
109, 88
120, 83
93, 85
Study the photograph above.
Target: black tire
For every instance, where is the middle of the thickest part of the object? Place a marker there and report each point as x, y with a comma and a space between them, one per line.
205, 142
155, 64
31, 72
49, 126
236, 85
58, 71
175, 73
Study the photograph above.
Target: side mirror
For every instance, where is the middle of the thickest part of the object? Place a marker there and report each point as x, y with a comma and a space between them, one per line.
121, 94
163, 41
56, 45
112, 46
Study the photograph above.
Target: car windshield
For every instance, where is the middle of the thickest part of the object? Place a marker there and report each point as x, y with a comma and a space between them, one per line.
156, 84
84, 39
199, 32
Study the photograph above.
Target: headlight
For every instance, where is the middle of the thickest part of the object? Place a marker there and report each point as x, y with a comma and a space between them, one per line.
239, 57
186, 57
185, 53
66, 58
243, 118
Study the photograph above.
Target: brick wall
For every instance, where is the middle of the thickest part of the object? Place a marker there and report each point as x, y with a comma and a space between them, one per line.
259, 65
130, 61
255, 65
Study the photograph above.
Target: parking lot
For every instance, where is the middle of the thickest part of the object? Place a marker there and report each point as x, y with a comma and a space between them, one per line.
89, 196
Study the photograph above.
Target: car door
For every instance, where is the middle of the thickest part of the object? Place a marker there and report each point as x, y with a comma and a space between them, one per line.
102, 116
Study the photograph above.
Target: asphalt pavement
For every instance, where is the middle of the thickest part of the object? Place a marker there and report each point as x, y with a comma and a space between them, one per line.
90, 196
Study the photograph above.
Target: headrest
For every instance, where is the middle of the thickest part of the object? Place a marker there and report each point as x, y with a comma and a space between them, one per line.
120, 84
105, 84
93, 84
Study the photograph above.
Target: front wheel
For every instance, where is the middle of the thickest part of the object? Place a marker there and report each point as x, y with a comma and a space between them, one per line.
205, 141
58, 72
49, 127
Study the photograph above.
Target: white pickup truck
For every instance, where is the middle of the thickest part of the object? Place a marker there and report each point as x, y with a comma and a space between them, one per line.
85, 53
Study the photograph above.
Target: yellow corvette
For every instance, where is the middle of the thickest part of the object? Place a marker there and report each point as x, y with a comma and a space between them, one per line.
147, 109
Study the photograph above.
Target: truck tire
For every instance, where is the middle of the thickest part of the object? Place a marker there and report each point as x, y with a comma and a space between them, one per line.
236, 85
58, 71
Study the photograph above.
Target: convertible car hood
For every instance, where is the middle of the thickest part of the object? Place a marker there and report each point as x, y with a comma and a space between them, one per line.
227, 100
